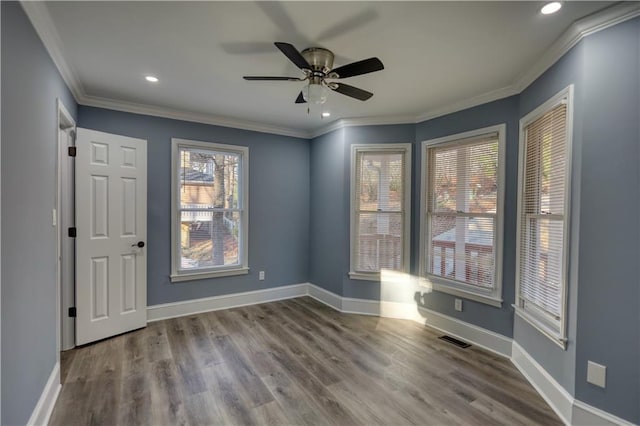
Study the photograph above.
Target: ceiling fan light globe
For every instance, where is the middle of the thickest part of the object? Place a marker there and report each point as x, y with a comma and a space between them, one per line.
314, 94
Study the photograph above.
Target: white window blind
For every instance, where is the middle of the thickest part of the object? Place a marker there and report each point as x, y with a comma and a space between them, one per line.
380, 209
542, 216
462, 211
209, 208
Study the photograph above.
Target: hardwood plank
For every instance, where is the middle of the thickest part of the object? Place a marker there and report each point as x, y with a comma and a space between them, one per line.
293, 400
203, 409
157, 342
291, 362
243, 375
166, 394
184, 358
301, 352
205, 352
271, 414
234, 409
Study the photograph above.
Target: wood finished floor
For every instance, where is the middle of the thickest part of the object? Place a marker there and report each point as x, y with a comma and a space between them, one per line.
291, 362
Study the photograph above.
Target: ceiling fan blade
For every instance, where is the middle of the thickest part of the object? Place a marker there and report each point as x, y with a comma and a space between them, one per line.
294, 56
358, 68
300, 99
351, 91
259, 78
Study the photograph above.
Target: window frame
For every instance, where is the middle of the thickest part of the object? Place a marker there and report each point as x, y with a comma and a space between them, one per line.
406, 207
492, 297
178, 275
534, 316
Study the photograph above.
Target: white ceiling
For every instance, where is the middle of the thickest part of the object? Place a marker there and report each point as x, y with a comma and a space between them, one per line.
436, 54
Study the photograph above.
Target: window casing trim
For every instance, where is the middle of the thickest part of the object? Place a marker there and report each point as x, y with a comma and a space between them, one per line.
493, 296
242, 267
534, 318
406, 207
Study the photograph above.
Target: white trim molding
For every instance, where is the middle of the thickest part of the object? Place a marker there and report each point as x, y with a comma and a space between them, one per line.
362, 121
194, 117
325, 296
573, 35
227, 301
586, 415
242, 267
555, 395
43, 24
47, 401
493, 296
478, 336
557, 333
354, 205
570, 410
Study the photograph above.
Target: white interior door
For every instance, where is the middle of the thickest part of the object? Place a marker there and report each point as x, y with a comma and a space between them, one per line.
111, 221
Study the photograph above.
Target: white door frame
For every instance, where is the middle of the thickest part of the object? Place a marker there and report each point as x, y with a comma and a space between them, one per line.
66, 123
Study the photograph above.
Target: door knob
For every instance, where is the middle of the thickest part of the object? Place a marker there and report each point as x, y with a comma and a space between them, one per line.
138, 244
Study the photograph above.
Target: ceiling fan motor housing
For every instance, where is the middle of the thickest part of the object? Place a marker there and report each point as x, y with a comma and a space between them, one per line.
321, 60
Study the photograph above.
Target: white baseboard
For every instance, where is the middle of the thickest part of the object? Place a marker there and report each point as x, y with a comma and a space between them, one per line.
196, 306
551, 391
487, 339
42, 412
586, 415
478, 336
570, 411
325, 296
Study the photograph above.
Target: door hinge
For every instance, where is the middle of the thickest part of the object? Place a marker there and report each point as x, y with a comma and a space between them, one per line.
73, 232
72, 312
72, 151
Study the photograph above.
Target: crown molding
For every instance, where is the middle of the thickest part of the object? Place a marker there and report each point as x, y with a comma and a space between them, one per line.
156, 111
580, 29
363, 121
41, 21
484, 98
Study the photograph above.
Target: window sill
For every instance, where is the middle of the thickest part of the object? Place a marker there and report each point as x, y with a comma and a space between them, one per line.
365, 276
541, 327
443, 287
209, 274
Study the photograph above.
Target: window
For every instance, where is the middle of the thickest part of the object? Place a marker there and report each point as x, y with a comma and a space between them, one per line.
209, 210
380, 209
544, 184
463, 177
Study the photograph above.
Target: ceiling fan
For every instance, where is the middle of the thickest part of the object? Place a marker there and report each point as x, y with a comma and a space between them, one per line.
317, 65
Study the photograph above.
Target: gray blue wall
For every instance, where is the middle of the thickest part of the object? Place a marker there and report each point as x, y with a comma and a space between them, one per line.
604, 290
609, 284
329, 250
504, 111
330, 204
558, 362
30, 86
278, 200
299, 216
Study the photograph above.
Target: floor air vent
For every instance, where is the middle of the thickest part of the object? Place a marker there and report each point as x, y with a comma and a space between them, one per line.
454, 341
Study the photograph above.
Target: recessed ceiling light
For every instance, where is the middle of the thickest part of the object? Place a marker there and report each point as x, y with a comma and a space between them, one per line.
326, 114
550, 8
151, 79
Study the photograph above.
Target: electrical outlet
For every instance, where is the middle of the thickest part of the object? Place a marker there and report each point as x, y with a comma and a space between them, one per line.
596, 374
261, 275
458, 305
